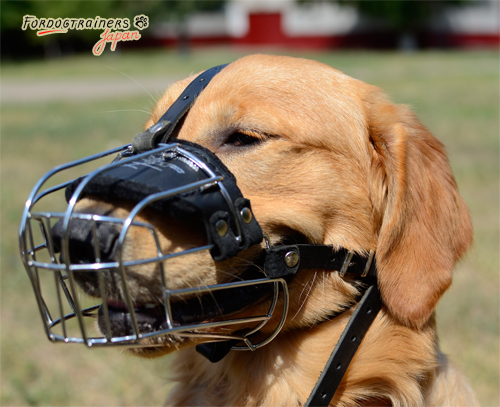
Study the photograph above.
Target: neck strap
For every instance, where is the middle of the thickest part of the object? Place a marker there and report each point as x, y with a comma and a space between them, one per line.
346, 347
283, 261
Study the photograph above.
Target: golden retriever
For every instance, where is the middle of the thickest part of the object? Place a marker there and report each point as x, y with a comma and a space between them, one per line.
326, 159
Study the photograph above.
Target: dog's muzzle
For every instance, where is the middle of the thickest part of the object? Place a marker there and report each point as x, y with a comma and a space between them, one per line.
181, 181
67, 252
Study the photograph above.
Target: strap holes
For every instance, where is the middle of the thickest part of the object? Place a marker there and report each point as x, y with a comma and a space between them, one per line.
323, 395
339, 366
185, 97
368, 311
202, 80
353, 339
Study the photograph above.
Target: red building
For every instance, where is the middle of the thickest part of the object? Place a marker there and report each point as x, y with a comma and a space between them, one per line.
286, 23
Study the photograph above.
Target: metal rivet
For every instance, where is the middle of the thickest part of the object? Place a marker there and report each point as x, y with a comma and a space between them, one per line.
156, 127
246, 215
169, 155
221, 227
291, 259
185, 97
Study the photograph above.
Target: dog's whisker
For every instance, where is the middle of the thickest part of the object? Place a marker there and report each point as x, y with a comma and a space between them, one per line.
123, 73
219, 309
156, 299
308, 292
135, 103
202, 284
250, 263
235, 276
306, 285
128, 110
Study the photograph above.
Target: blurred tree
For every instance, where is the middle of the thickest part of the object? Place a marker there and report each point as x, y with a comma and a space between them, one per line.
406, 17
178, 12
19, 43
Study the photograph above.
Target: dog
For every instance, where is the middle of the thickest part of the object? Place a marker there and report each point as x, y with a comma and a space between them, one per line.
323, 159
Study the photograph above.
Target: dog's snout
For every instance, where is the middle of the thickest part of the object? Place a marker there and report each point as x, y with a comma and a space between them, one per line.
85, 244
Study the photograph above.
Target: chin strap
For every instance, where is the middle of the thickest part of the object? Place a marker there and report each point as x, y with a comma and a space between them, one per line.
286, 261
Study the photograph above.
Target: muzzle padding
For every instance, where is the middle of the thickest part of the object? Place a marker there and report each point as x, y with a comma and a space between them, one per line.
164, 171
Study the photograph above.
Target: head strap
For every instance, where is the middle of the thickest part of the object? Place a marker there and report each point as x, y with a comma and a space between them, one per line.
162, 129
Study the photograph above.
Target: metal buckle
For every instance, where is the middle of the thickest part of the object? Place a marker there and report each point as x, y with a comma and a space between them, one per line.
368, 263
347, 263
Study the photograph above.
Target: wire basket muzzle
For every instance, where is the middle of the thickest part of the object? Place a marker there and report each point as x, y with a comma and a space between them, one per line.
181, 182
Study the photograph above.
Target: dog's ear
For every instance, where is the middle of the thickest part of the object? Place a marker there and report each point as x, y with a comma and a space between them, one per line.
424, 223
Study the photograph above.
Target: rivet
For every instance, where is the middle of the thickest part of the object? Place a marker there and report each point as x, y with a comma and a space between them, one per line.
185, 97
291, 259
169, 155
155, 127
246, 215
221, 227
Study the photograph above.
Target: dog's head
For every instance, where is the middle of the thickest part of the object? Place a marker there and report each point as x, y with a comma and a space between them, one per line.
324, 159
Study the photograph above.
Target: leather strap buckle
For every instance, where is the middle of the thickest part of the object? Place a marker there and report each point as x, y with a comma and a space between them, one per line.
368, 263
347, 263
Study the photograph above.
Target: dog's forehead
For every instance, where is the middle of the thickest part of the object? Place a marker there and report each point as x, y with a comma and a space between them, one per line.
282, 81
289, 97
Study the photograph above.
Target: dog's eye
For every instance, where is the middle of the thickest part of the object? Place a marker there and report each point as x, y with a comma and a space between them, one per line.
241, 140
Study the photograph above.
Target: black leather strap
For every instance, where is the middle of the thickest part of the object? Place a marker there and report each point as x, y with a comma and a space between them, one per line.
161, 130
276, 265
312, 256
346, 347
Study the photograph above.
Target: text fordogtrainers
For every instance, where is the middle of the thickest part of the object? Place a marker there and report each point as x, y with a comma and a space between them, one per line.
114, 29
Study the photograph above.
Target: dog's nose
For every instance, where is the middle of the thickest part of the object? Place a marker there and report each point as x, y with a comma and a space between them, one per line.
82, 240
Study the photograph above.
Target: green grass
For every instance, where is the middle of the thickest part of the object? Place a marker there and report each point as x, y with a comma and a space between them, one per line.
456, 95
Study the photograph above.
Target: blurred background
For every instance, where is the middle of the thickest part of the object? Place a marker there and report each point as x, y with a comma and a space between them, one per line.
59, 102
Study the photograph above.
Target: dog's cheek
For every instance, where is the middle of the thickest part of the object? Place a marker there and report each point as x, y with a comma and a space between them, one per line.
317, 193
170, 237
185, 271
317, 295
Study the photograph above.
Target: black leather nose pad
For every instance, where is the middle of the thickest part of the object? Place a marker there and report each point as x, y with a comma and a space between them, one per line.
82, 240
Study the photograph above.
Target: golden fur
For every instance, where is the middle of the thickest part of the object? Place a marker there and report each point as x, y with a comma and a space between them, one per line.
340, 165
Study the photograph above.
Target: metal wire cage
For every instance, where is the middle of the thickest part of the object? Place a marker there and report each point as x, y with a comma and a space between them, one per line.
69, 315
